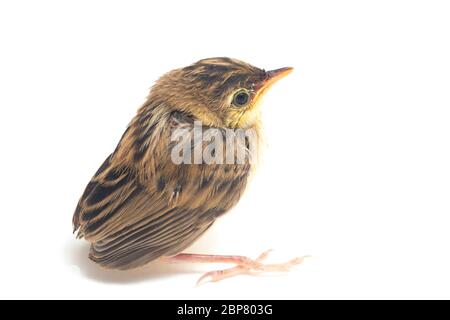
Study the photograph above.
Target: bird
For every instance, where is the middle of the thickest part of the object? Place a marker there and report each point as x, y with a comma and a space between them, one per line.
142, 206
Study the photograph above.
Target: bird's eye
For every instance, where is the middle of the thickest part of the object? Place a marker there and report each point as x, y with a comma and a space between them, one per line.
241, 98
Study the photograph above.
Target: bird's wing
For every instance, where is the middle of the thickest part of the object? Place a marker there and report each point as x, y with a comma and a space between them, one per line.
104, 200
133, 215
130, 225
140, 205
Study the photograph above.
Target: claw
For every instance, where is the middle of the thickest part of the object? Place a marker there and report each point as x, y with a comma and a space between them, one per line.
218, 275
203, 279
250, 267
264, 255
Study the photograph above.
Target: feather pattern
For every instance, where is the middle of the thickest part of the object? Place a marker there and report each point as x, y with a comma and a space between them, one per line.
140, 206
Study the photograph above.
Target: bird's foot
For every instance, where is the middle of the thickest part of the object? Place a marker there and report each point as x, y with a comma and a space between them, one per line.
243, 265
249, 266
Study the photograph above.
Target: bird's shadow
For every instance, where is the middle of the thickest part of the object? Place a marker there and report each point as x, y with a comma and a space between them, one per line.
76, 254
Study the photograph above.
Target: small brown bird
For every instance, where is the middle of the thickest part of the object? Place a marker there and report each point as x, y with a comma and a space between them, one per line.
142, 205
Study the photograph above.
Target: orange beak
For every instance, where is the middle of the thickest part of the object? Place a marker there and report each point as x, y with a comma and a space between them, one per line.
272, 77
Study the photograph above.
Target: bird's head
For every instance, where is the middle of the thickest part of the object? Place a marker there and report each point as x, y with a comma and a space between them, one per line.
220, 92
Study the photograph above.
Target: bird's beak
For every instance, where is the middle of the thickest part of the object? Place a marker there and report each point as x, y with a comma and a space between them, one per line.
273, 76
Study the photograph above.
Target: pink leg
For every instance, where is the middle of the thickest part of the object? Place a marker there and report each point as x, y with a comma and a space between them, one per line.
244, 265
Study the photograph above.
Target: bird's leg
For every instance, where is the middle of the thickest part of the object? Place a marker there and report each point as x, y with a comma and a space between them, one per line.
244, 265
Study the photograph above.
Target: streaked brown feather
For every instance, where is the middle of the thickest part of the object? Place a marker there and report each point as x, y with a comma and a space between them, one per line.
139, 205
131, 217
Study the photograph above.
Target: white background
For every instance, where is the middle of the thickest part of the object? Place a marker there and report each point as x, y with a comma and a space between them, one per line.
357, 164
